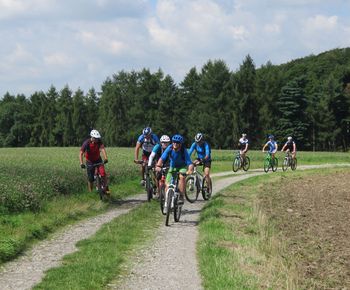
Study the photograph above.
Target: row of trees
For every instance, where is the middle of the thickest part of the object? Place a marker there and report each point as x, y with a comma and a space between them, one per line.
308, 99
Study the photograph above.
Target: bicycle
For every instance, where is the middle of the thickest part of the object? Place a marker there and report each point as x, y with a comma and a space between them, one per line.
239, 162
171, 199
289, 162
161, 188
196, 183
149, 178
101, 183
270, 163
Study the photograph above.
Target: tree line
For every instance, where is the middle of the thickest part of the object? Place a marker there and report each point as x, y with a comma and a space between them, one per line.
307, 98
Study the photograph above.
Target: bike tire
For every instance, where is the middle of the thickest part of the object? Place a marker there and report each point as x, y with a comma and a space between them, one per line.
168, 208
149, 187
191, 192
266, 165
285, 164
275, 165
206, 189
177, 210
236, 164
246, 164
294, 164
162, 198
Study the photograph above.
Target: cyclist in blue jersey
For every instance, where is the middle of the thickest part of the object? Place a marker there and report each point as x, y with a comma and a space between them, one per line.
180, 161
290, 146
203, 154
155, 155
272, 144
147, 140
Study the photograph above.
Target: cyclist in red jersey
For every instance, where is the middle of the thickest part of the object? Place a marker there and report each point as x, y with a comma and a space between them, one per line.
91, 149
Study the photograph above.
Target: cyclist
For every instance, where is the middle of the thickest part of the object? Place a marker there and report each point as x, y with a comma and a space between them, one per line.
180, 161
147, 140
290, 146
243, 145
157, 151
91, 149
272, 144
203, 154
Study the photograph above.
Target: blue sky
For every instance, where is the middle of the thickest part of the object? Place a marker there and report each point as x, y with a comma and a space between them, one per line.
80, 43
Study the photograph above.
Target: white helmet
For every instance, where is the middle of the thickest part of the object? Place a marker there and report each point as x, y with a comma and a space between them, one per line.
289, 138
244, 135
95, 134
198, 137
165, 139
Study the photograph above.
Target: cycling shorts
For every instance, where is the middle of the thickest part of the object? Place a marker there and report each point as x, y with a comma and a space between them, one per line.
90, 169
145, 155
206, 163
172, 172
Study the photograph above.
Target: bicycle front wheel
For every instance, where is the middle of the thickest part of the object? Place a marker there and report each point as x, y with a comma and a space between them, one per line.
149, 187
274, 164
177, 210
191, 192
246, 163
236, 164
170, 196
266, 165
206, 189
162, 198
285, 164
294, 163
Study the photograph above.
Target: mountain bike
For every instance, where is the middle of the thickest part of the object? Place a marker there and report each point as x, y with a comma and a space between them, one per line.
151, 182
270, 163
101, 183
239, 162
289, 162
161, 188
172, 196
196, 183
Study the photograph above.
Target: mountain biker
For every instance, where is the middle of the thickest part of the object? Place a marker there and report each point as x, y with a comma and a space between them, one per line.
203, 154
147, 140
157, 151
91, 149
243, 145
290, 146
272, 144
180, 161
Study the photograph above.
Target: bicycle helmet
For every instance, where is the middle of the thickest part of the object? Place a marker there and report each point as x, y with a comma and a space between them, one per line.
244, 135
290, 138
177, 139
165, 139
198, 137
271, 137
147, 131
95, 134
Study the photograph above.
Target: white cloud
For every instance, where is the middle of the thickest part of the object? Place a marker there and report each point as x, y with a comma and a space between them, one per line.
322, 23
58, 59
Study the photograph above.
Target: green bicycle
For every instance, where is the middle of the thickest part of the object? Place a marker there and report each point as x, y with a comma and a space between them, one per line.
270, 163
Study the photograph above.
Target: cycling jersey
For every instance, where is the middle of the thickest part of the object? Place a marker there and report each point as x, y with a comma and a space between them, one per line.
242, 143
148, 142
272, 146
178, 159
155, 155
92, 150
290, 145
202, 150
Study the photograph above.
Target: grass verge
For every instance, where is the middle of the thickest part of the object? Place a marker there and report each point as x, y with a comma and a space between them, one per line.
101, 258
239, 247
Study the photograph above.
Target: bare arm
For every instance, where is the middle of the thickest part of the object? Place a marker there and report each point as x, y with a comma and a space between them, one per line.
137, 149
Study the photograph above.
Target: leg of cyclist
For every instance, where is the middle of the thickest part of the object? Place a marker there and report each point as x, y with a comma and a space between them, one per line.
90, 170
182, 185
207, 165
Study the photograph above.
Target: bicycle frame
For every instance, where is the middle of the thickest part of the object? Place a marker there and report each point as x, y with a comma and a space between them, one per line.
101, 183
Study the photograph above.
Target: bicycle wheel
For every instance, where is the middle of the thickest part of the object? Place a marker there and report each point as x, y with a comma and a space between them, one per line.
275, 164
162, 198
236, 164
285, 164
149, 187
177, 209
266, 165
191, 192
294, 163
246, 163
206, 189
170, 196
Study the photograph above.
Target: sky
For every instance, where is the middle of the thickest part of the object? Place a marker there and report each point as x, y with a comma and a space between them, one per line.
82, 42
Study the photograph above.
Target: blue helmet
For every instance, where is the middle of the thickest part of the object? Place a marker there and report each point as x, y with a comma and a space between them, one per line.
147, 131
271, 137
177, 139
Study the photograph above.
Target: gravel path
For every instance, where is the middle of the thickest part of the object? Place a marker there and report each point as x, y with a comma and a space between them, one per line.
171, 258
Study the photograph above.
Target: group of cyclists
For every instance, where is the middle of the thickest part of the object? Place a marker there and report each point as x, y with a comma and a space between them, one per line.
167, 152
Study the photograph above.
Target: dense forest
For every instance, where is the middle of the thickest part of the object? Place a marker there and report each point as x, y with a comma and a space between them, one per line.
307, 98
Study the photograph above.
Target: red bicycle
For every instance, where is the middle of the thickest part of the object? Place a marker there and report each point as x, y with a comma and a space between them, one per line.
101, 182
161, 188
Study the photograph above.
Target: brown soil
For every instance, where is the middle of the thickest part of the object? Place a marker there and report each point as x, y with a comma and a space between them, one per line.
313, 215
